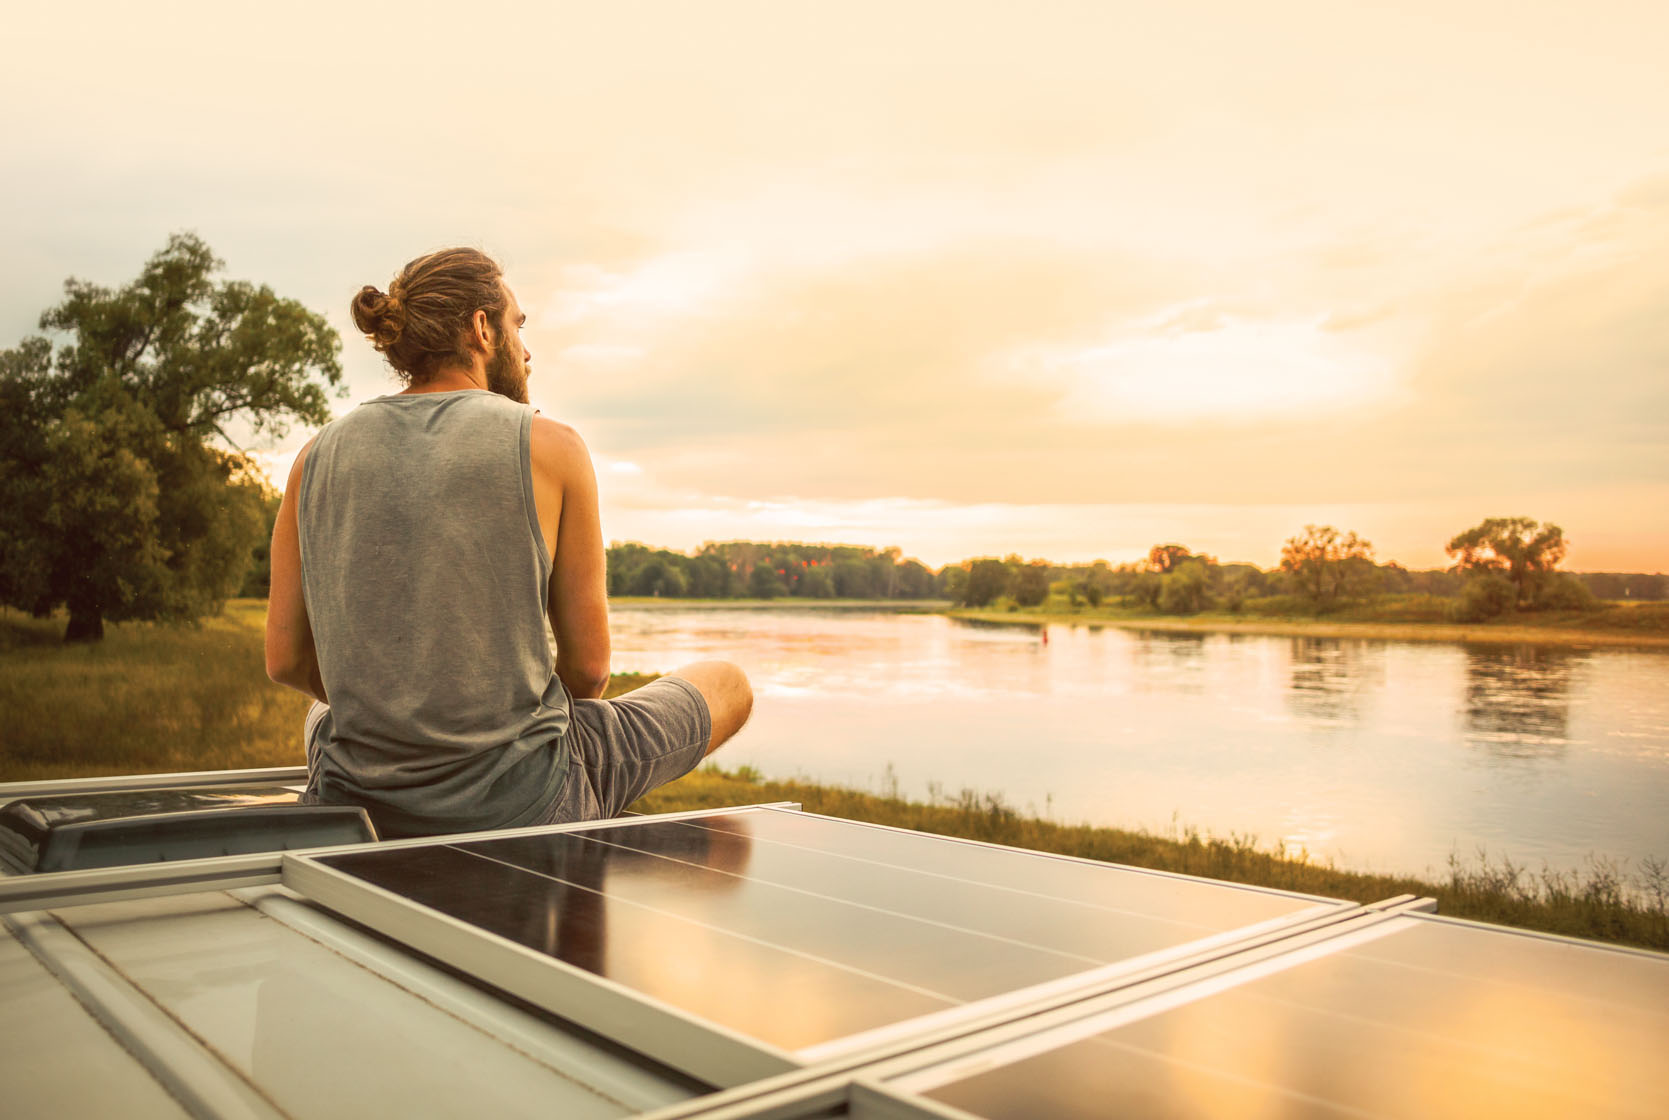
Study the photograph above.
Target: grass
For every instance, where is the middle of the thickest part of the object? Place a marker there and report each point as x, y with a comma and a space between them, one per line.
1387, 617
1604, 904
156, 698
150, 698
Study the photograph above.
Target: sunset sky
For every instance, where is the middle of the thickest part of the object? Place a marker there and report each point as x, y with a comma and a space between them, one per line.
1066, 280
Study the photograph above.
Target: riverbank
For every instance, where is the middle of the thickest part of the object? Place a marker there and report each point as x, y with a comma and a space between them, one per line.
1644, 627
1603, 905
889, 606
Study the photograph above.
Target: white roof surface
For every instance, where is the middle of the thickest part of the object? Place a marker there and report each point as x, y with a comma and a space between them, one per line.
262, 1004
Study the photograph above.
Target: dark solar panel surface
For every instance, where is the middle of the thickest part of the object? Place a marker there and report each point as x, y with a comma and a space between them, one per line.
797, 930
1434, 1020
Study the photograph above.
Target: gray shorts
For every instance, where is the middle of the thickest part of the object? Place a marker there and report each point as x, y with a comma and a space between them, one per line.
621, 749
618, 750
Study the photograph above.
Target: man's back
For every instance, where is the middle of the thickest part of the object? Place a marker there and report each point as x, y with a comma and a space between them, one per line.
425, 574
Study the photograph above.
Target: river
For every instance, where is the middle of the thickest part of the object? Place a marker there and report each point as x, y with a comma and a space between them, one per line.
1377, 755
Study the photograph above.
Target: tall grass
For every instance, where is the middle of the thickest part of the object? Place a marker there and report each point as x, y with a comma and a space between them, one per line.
1604, 904
148, 698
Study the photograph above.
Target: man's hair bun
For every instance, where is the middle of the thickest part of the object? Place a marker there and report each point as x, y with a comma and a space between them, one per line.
381, 317
422, 325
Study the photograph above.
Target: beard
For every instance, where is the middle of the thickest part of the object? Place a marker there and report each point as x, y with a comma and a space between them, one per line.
507, 373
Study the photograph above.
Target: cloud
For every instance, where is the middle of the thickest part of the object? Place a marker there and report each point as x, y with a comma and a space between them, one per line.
1026, 372
1185, 368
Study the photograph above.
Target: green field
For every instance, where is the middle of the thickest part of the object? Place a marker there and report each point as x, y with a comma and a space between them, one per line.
156, 698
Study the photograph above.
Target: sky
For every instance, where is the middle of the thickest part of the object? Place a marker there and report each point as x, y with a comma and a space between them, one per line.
1058, 279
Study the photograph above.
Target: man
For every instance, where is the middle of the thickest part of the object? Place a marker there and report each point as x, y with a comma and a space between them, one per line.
422, 543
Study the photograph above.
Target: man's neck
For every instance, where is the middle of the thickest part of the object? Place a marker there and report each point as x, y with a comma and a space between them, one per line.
450, 381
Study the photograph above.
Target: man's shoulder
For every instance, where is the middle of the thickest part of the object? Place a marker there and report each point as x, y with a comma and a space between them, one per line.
555, 438
557, 451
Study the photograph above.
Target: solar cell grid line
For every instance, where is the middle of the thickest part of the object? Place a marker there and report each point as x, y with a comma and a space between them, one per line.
1047, 941
978, 859
727, 932
1514, 1024
957, 915
1098, 968
874, 866
1281, 902
844, 900
812, 1090
1158, 914
957, 962
781, 996
1585, 977
664, 1032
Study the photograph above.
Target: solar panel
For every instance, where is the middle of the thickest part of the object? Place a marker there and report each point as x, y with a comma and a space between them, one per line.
1413, 1017
748, 942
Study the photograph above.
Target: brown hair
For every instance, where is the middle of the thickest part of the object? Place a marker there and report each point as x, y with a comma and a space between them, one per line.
421, 325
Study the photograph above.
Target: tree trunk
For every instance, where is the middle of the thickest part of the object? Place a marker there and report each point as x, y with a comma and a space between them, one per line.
86, 625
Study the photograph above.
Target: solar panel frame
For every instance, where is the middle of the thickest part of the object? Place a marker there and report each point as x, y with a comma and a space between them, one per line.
703, 1049
696, 1045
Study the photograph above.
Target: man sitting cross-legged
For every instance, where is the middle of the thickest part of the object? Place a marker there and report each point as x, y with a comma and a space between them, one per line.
423, 541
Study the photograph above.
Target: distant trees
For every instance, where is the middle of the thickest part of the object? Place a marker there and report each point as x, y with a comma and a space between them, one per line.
119, 495
1642, 586
1031, 584
739, 569
1320, 568
1166, 558
987, 579
766, 583
1186, 589
1509, 564
1328, 565
1517, 549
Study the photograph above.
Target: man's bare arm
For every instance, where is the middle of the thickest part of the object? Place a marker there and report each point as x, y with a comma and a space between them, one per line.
292, 659
579, 586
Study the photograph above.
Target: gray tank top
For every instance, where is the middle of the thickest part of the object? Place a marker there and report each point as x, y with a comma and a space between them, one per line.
426, 576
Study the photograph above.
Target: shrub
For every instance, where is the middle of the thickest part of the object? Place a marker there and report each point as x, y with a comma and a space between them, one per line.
1485, 597
1564, 592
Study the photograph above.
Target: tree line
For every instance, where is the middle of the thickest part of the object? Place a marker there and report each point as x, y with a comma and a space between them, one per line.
755, 570
1501, 564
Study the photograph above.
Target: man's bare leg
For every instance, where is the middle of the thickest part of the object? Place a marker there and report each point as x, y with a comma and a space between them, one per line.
727, 692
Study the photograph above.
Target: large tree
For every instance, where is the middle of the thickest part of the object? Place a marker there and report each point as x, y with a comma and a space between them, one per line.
1521, 550
1031, 584
122, 493
987, 580
1166, 558
1329, 565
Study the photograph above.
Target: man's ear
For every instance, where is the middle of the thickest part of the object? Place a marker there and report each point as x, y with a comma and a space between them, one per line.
481, 330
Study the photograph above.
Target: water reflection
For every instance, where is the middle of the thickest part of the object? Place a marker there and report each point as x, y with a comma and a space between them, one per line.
569, 919
1177, 660
1329, 677
1517, 703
